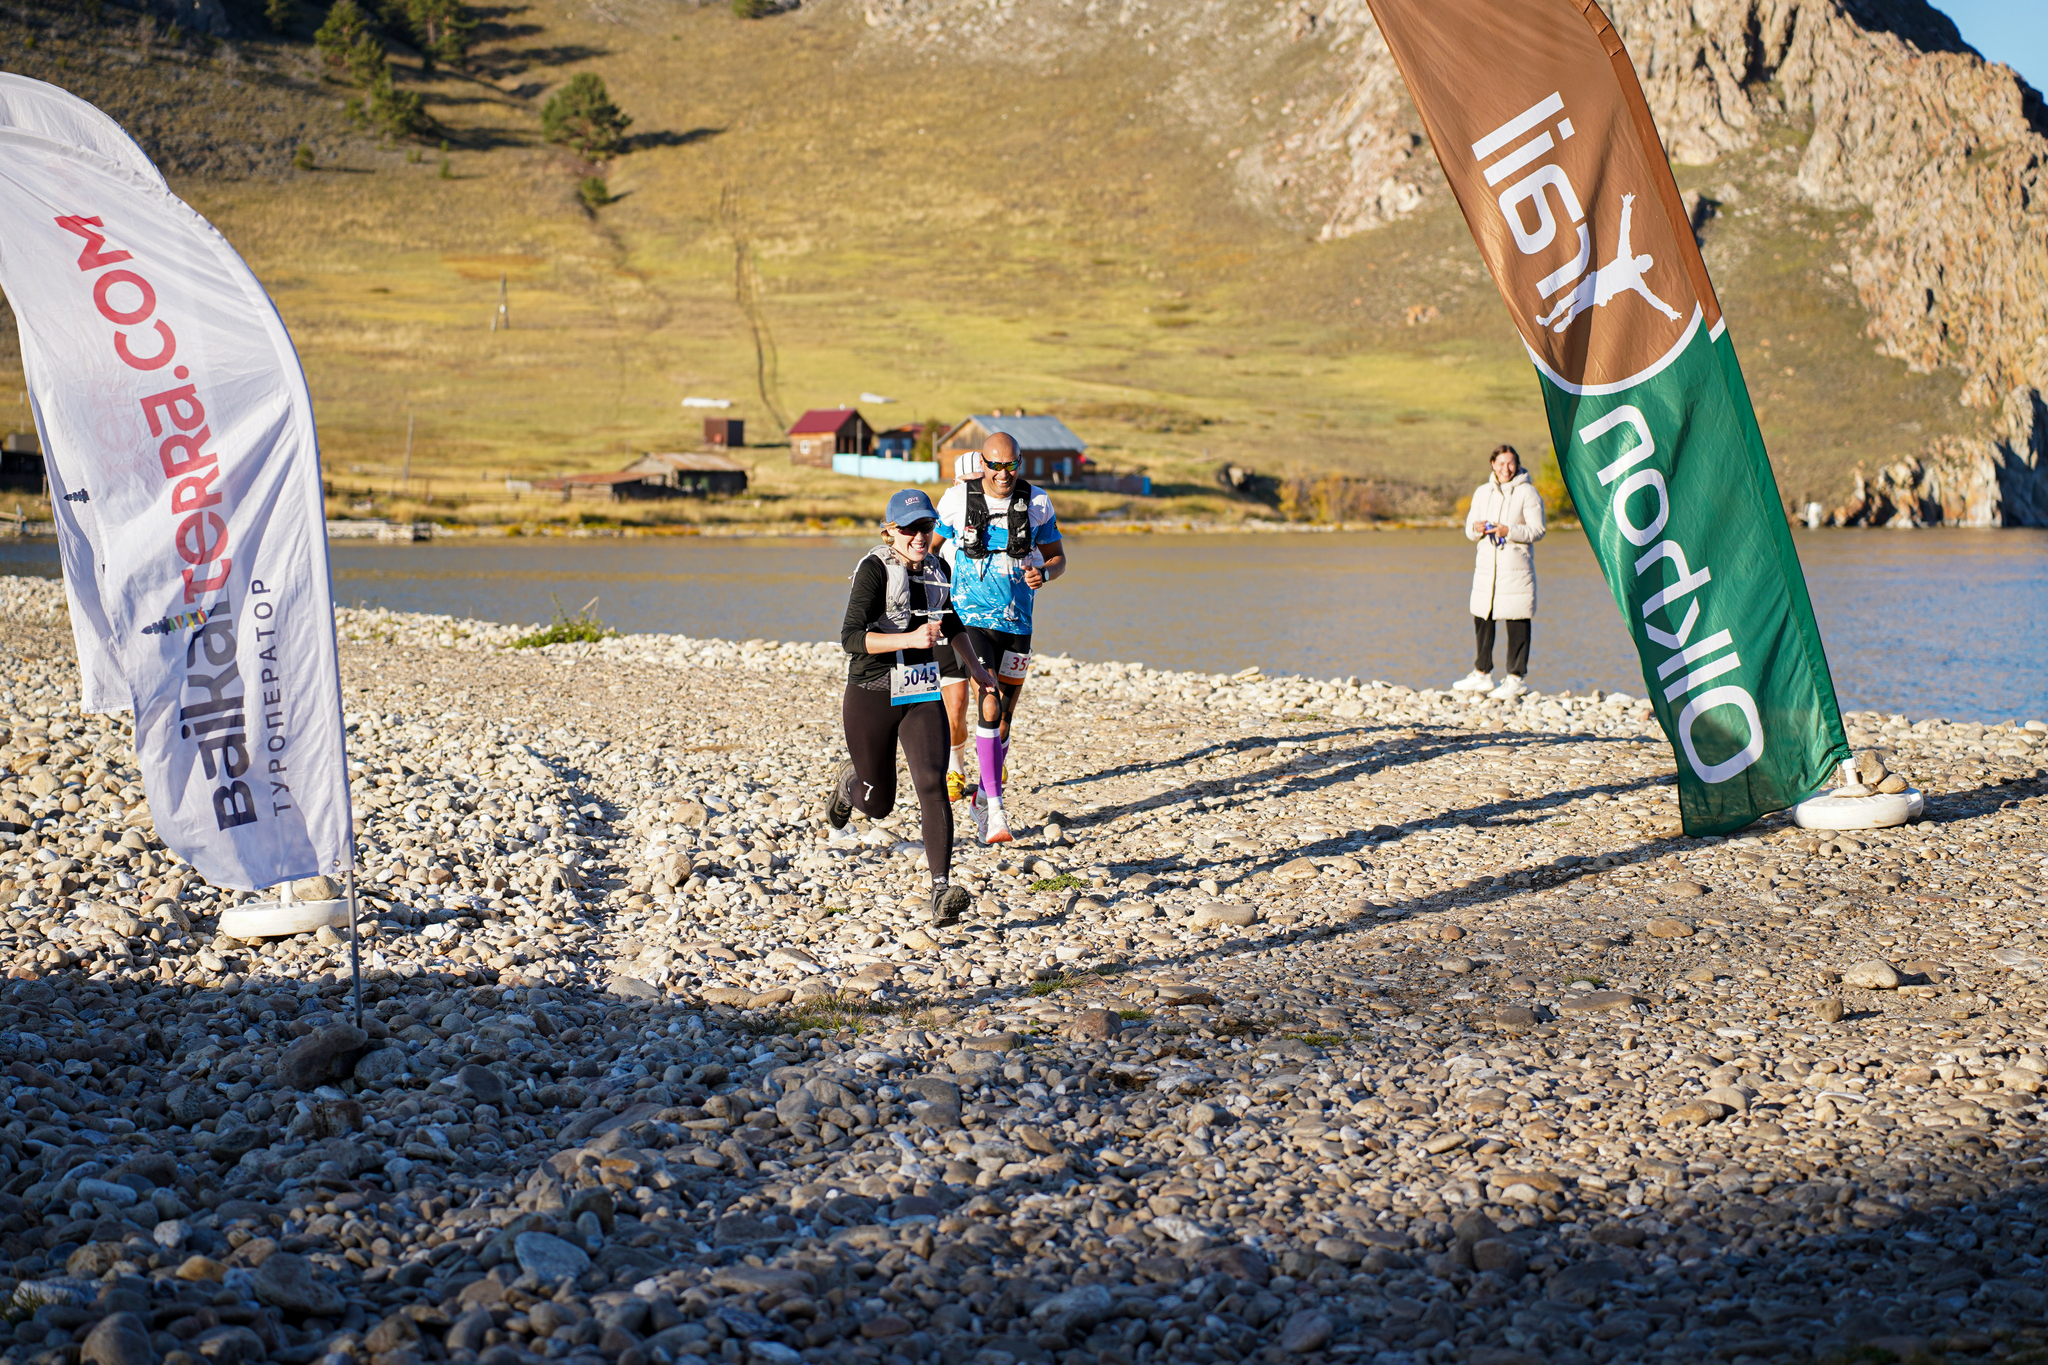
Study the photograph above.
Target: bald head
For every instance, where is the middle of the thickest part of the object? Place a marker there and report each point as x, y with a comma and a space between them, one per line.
999, 449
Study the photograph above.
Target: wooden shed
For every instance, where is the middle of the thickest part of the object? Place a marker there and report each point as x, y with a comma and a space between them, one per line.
822, 433
622, 485
724, 433
1048, 452
654, 475
693, 475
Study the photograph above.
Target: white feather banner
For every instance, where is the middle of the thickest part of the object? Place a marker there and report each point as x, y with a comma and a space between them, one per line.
185, 472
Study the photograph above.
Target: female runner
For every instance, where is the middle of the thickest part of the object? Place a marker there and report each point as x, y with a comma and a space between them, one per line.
898, 610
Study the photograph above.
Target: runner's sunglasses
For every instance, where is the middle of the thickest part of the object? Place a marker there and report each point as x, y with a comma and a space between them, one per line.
917, 528
1006, 466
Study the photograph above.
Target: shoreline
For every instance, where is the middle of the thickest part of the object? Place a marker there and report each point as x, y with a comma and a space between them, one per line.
1350, 1026
43, 530
796, 530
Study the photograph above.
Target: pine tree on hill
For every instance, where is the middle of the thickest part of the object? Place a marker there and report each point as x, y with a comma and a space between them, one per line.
348, 42
581, 115
387, 109
442, 29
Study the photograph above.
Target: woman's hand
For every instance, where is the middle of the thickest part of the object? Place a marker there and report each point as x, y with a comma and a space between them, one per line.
917, 637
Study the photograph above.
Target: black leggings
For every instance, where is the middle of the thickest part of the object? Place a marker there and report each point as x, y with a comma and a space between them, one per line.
1518, 645
873, 730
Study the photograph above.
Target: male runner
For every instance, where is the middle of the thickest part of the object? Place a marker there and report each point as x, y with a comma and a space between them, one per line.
953, 673
1002, 542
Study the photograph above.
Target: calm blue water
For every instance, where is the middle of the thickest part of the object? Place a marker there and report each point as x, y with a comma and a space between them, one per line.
1929, 623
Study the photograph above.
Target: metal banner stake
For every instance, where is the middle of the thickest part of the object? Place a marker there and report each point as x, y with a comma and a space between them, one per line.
355, 950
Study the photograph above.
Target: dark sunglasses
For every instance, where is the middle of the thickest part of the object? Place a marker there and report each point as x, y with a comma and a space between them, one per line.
1004, 465
917, 528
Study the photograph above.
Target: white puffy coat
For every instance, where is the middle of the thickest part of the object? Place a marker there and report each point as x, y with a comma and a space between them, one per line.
1504, 576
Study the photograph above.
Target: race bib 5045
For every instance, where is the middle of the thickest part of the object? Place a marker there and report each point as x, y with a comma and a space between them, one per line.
913, 683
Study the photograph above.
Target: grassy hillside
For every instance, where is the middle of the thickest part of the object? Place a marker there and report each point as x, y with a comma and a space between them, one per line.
947, 233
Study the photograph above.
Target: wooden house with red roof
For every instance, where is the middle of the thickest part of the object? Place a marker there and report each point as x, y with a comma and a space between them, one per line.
822, 433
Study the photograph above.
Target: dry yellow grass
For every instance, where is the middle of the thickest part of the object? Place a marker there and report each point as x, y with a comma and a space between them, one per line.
898, 226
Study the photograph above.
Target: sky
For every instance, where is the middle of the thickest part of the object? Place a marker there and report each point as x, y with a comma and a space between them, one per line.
2011, 31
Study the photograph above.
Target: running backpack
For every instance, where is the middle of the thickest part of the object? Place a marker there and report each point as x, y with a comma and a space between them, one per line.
974, 536
896, 595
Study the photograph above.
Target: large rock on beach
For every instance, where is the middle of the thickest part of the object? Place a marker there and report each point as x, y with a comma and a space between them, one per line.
326, 1054
289, 1283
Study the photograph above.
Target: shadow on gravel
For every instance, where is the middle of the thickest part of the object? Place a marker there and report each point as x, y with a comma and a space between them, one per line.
1956, 806
390, 1210
1348, 764
503, 1181
1337, 765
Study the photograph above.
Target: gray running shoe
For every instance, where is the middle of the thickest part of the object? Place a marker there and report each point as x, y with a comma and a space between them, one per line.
839, 799
949, 904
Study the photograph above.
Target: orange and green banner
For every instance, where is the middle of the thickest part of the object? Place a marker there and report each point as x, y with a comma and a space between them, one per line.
1543, 133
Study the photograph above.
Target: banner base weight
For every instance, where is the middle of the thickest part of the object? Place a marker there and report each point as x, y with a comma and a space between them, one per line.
274, 919
1880, 811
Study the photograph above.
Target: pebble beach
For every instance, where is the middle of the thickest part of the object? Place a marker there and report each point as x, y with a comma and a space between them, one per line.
1307, 1019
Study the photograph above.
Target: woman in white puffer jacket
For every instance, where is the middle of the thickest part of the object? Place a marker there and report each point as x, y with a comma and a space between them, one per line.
1506, 521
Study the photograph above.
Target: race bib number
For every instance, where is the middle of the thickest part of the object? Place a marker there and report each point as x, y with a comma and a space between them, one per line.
913, 683
1013, 666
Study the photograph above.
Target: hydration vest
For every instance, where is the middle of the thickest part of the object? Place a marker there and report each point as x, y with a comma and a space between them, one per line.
896, 618
974, 536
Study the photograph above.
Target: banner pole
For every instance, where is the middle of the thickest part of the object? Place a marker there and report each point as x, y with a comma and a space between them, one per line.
355, 951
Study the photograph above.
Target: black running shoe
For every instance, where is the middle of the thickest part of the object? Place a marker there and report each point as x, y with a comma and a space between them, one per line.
949, 903
839, 799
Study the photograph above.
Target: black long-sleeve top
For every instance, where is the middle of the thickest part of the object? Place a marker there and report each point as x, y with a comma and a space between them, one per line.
864, 607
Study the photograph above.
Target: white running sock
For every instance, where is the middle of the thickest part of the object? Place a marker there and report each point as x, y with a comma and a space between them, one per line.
958, 762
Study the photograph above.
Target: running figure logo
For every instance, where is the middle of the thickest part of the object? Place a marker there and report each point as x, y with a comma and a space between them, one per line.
1623, 274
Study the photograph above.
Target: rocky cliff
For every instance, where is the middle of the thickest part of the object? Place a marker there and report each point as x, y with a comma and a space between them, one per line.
1871, 105
1949, 156
1998, 479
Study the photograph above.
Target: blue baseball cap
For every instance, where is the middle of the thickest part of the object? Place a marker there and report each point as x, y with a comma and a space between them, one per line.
909, 505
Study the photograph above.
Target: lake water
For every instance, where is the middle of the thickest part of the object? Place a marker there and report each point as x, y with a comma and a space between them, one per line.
1929, 623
